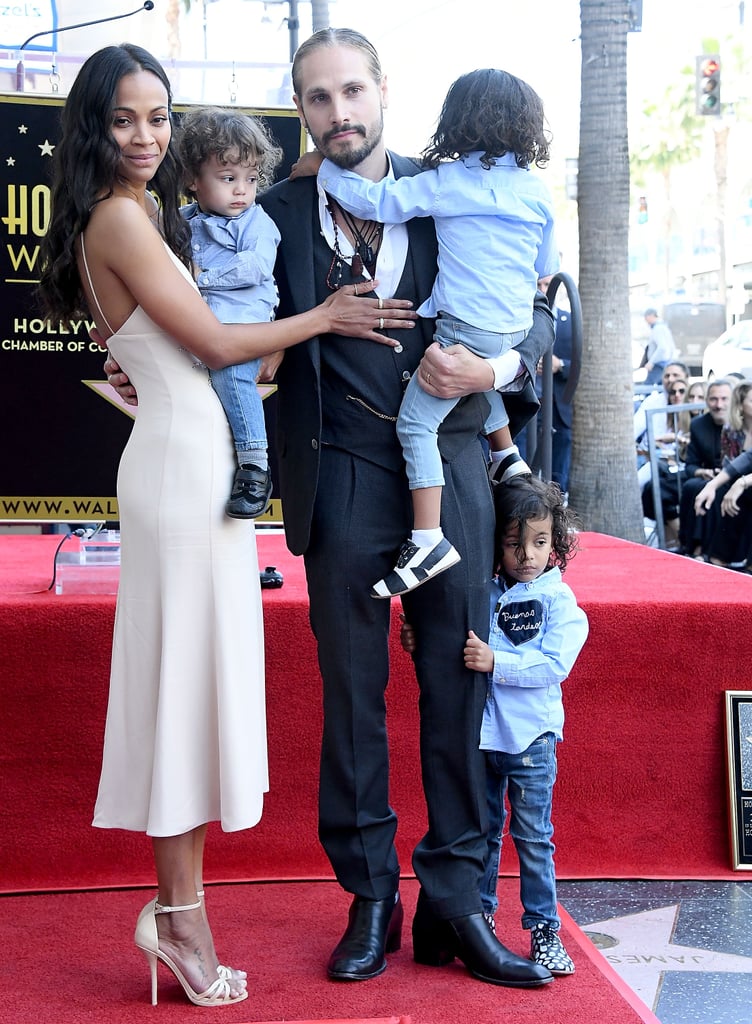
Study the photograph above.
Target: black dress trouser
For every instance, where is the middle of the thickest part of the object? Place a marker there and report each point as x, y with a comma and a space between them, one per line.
362, 514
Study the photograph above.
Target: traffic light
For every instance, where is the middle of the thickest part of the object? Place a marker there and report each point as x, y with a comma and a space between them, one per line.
708, 85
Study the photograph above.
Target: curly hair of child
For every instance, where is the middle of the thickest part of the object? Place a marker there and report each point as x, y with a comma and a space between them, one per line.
525, 499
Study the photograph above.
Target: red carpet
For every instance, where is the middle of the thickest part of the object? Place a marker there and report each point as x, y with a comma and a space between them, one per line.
642, 781
73, 961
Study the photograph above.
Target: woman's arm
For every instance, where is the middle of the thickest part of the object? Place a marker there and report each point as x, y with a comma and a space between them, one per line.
139, 270
706, 497
730, 500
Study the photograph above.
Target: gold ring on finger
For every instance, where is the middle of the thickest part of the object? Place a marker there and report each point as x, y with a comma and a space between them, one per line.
381, 323
355, 287
381, 303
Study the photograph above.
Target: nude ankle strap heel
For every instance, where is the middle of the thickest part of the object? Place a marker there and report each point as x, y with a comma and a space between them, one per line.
147, 939
160, 908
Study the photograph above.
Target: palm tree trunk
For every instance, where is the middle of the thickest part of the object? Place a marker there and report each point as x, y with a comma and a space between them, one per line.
604, 488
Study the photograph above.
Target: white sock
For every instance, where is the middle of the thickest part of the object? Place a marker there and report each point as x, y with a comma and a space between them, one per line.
253, 457
500, 456
427, 538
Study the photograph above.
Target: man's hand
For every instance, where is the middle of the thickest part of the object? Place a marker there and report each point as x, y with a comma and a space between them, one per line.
407, 635
478, 656
269, 366
705, 498
120, 382
730, 502
307, 165
556, 365
454, 372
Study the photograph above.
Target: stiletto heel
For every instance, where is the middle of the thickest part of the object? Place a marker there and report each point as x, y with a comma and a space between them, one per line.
147, 940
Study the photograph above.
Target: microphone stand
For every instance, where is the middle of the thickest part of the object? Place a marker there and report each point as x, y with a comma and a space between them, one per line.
148, 5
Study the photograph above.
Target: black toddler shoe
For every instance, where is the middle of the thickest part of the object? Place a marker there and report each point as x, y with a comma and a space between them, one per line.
471, 940
374, 928
251, 493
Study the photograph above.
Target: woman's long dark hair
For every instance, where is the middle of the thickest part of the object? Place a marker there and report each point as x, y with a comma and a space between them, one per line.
85, 169
494, 112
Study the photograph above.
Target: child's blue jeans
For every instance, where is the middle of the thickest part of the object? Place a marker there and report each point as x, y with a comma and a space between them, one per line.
421, 414
240, 398
528, 780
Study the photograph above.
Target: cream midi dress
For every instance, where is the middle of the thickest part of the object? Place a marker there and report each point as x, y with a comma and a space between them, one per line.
185, 737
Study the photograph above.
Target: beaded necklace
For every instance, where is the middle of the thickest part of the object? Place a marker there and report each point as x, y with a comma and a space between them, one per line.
366, 240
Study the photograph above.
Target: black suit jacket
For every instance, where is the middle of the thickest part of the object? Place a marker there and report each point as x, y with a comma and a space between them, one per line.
563, 349
293, 205
704, 448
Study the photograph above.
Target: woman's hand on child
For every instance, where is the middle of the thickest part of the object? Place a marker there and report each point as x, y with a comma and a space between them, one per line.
358, 314
478, 655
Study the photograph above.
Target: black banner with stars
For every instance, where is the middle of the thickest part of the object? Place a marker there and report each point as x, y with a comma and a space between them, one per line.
62, 426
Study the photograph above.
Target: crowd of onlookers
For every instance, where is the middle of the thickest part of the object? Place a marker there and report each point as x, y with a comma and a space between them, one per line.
703, 452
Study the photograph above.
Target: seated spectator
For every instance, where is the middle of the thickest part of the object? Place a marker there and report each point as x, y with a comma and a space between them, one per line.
675, 375
695, 394
670, 466
737, 433
677, 423
562, 411
731, 544
673, 372
702, 463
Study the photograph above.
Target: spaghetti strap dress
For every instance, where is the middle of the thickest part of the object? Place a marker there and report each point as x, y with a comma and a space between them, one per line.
185, 735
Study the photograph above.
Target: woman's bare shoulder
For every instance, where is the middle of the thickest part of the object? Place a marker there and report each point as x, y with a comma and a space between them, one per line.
122, 214
121, 220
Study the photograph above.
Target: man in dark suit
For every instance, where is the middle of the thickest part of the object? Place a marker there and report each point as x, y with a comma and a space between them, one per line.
702, 463
561, 418
346, 508
561, 442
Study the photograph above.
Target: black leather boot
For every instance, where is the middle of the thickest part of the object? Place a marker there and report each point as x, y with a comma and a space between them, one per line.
374, 928
470, 939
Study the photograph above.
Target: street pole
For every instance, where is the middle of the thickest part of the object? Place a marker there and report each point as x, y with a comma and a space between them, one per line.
319, 14
293, 23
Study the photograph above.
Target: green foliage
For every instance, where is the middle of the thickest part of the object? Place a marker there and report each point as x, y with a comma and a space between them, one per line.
675, 132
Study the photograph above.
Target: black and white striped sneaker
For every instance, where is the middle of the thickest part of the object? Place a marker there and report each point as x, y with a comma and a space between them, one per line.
507, 469
416, 565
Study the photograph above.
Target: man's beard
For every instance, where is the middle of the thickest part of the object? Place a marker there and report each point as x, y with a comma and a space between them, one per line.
349, 157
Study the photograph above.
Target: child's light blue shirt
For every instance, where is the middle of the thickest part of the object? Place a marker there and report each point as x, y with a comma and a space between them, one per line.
236, 257
537, 632
494, 228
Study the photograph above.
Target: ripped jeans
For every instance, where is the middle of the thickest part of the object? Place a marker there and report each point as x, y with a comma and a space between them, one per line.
528, 781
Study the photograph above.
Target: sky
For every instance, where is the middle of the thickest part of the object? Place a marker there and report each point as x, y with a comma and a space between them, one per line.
425, 44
